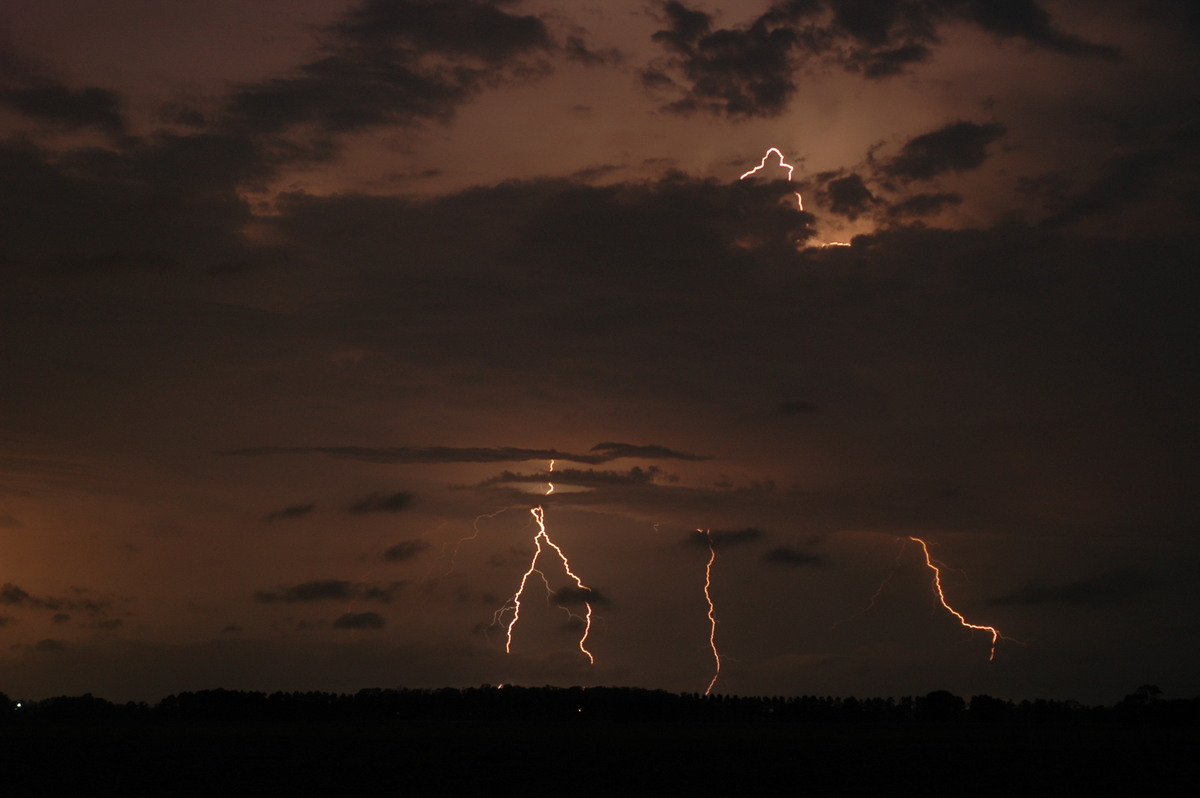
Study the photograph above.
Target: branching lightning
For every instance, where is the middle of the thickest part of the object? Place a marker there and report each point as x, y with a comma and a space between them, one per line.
514, 604
712, 610
789, 167
937, 584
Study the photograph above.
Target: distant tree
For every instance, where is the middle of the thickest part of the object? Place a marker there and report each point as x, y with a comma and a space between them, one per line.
940, 705
989, 710
79, 707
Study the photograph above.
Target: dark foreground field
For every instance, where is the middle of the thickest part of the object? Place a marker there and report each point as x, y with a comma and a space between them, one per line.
540, 748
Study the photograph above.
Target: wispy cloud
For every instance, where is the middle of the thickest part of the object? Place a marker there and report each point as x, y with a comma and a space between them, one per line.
381, 503
288, 513
1104, 588
601, 453
329, 590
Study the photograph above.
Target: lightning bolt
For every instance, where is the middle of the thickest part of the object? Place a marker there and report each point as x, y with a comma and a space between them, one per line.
540, 539
789, 167
937, 584
712, 610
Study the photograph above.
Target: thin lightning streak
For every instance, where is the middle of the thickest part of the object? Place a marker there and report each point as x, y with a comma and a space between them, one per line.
474, 534
879, 590
937, 583
789, 167
712, 610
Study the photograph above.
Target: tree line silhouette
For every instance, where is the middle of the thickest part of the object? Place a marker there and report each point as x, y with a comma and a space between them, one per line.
487, 703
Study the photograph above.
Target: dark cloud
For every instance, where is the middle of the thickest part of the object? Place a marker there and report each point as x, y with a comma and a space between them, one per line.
885, 63
382, 503
724, 538
742, 72
923, 205
881, 39
848, 196
419, 454
381, 593
320, 590
1028, 20
751, 71
1124, 179
393, 62
14, 596
294, 511
600, 453
576, 49
328, 590
49, 645
1105, 588
579, 477
405, 550
107, 625
571, 596
164, 201
787, 555
464, 27
613, 451
63, 107
360, 620
158, 204
957, 147
24, 90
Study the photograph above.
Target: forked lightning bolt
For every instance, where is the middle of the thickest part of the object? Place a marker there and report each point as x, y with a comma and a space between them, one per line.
542, 537
937, 584
789, 167
712, 610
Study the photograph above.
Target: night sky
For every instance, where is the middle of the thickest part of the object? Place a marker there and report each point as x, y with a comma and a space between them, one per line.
299, 299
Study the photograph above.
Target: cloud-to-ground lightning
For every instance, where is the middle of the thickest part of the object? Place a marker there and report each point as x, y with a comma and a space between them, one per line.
514, 604
712, 610
783, 163
937, 584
